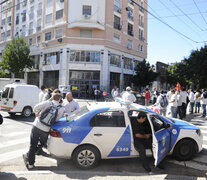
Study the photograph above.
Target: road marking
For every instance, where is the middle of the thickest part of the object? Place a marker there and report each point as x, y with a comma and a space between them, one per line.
205, 138
204, 131
14, 134
14, 142
202, 127
12, 155
204, 146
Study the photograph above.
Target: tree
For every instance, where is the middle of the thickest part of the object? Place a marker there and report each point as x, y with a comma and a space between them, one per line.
16, 57
144, 74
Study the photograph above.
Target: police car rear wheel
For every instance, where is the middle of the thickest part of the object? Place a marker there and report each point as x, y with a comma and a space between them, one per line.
184, 150
27, 111
86, 157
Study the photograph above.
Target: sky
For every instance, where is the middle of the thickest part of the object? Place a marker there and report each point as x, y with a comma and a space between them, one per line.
186, 17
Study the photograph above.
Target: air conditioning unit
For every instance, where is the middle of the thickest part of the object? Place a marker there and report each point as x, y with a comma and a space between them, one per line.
60, 40
61, 1
120, 27
119, 10
87, 16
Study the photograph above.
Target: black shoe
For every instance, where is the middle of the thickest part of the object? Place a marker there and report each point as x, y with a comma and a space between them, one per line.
161, 166
40, 152
147, 168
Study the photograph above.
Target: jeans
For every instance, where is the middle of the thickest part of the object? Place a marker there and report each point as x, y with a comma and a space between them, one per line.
147, 102
180, 112
141, 146
197, 107
191, 107
183, 110
203, 109
36, 136
173, 111
163, 112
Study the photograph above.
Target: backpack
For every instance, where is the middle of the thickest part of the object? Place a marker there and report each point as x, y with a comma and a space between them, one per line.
48, 117
163, 102
205, 95
1, 119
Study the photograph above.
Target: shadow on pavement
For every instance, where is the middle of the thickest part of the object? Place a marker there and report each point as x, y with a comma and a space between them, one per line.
10, 176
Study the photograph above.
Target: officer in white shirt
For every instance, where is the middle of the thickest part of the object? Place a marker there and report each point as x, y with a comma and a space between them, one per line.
70, 104
128, 95
173, 104
183, 94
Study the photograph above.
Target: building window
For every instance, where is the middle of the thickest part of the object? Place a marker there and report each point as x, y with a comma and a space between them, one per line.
117, 38
30, 28
49, 2
117, 22
30, 41
8, 19
49, 18
3, 22
115, 60
17, 18
31, 15
86, 10
18, 5
38, 39
39, 22
141, 6
58, 33
24, 3
85, 56
117, 5
141, 21
52, 58
48, 36
128, 63
59, 14
39, 10
3, 36
23, 16
141, 35
130, 14
130, 29
129, 44
140, 48
9, 6
8, 33
85, 33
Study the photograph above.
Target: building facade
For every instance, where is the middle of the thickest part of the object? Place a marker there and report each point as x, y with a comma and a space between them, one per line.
82, 43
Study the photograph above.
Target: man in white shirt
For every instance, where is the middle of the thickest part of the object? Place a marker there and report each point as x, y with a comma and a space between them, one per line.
179, 107
161, 105
203, 102
128, 95
173, 104
70, 104
191, 99
183, 94
42, 93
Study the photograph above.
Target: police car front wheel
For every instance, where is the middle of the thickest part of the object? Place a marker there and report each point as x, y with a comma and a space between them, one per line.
86, 157
184, 150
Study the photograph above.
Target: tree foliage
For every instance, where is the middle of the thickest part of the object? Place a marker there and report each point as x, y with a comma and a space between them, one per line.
144, 74
16, 57
191, 71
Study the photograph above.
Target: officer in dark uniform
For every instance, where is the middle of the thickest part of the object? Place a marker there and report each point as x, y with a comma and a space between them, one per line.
142, 138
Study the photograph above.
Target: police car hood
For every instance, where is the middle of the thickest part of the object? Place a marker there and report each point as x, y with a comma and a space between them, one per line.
183, 124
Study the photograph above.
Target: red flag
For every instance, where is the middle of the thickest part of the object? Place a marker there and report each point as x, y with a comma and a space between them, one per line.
178, 86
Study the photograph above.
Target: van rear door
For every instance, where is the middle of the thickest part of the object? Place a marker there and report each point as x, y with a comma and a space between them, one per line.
7, 103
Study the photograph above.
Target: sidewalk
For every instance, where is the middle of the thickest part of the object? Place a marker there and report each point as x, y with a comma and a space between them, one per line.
63, 175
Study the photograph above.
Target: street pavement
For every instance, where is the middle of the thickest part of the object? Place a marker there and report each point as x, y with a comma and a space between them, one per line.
14, 141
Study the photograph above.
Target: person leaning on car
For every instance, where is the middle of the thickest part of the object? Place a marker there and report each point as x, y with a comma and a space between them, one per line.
128, 95
40, 131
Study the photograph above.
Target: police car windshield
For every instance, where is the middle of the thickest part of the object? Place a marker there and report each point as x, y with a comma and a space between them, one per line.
76, 114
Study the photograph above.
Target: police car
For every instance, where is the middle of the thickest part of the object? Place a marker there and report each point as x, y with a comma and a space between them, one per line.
104, 131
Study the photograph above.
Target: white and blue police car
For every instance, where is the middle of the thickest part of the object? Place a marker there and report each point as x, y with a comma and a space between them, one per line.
105, 130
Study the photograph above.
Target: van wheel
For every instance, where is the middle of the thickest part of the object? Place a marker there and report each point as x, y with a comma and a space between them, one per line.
86, 157
184, 150
11, 114
27, 111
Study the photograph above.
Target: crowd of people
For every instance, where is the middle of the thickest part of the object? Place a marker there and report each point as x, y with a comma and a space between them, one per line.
179, 102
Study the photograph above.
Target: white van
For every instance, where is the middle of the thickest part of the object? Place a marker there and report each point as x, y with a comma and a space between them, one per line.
19, 98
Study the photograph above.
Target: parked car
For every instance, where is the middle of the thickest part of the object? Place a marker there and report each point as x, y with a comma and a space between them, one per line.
104, 131
140, 98
19, 98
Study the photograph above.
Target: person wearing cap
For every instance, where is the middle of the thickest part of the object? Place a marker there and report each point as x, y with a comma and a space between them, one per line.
128, 95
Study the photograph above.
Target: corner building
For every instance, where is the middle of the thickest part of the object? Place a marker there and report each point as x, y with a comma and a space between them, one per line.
82, 43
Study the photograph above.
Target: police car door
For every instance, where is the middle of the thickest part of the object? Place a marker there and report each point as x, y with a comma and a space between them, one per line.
111, 134
160, 138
